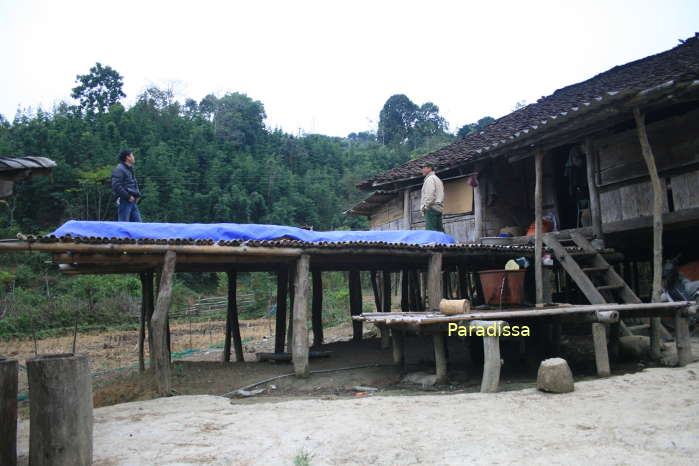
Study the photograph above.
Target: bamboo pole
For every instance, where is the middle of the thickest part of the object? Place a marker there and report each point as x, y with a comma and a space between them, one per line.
538, 240
159, 324
300, 345
647, 152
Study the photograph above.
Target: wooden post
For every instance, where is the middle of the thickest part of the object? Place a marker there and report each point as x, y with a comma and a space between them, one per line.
404, 291
149, 290
491, 353
355, 296
317, 308
142, 322
434, 282
60, 410
300, 345
398, 351
538, 239
599, 338
682, 340
385, 307
280, 331
8, 411
479, 212
595, 211
440, 358
232, 323
292, 295
159, 323
462, 287
406, 209
657, 227
375, 287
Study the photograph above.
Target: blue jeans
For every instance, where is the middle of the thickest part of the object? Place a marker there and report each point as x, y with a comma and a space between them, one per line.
128, 211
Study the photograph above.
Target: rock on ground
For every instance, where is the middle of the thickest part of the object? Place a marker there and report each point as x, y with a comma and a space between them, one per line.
554, 376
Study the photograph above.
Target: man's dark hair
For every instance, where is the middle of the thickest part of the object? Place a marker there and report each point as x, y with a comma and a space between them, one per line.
125, 153
427, 165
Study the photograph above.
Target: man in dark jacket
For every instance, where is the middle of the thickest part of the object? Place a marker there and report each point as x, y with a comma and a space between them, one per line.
125, 188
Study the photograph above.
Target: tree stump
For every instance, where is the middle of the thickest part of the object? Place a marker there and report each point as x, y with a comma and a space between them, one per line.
60, 410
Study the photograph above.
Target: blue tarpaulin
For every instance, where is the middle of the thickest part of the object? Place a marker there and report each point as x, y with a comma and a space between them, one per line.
237, 231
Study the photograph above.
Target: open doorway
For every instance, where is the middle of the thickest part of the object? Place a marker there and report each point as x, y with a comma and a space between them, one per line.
570, 183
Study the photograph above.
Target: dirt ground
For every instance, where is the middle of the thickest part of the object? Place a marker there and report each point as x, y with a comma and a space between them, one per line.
648, 417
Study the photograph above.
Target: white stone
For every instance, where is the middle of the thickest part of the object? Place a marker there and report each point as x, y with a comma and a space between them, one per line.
554, 376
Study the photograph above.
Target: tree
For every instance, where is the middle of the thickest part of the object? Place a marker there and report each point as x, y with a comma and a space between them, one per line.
396, 120
469, 128
98, 90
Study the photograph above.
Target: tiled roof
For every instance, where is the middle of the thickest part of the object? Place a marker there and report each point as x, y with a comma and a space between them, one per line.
680, 64
24, 163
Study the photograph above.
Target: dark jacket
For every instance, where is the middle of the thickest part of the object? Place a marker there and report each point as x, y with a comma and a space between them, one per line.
124, 183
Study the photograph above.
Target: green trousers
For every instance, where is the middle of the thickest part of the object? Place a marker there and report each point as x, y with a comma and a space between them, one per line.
433, 220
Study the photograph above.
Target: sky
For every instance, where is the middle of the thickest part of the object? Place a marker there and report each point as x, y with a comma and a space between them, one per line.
329, 66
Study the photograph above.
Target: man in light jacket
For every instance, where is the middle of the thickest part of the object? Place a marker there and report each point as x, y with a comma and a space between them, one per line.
432, 199
125, 188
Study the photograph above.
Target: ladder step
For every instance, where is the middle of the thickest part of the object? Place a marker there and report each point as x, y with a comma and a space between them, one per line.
595, 269
582, 254
609, 287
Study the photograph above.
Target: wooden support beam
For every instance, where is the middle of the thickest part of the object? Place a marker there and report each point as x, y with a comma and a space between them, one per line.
8, 410
599, 339
355, 296
595, 210
656, 186
462, 286
491, 354
150, 310
317, 308
434, 282
375, 288
159, 325
60, 410
282, 289
406, 209
479, 213
538, 215
440, 358
386, 292
300, 345
682, 339
232, 323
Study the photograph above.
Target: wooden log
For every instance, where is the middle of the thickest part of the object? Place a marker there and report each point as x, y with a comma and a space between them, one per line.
60, 410
434, 282
317, 308
599, 338
398, 349
682, 340
280, 331
292, 296
538, 238
404, 291
8, 410
159, 324
149, 290
491, 354
595, 211
454, 306
355, 296
440, 358
649, 158
300, 346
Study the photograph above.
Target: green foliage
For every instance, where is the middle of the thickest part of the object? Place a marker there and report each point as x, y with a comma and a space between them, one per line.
474, 127
98, 90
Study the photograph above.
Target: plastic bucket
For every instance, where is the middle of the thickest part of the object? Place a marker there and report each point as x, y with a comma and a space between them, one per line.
502, 287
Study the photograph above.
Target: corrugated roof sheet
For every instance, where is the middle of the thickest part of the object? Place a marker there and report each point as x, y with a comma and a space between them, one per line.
680, 64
